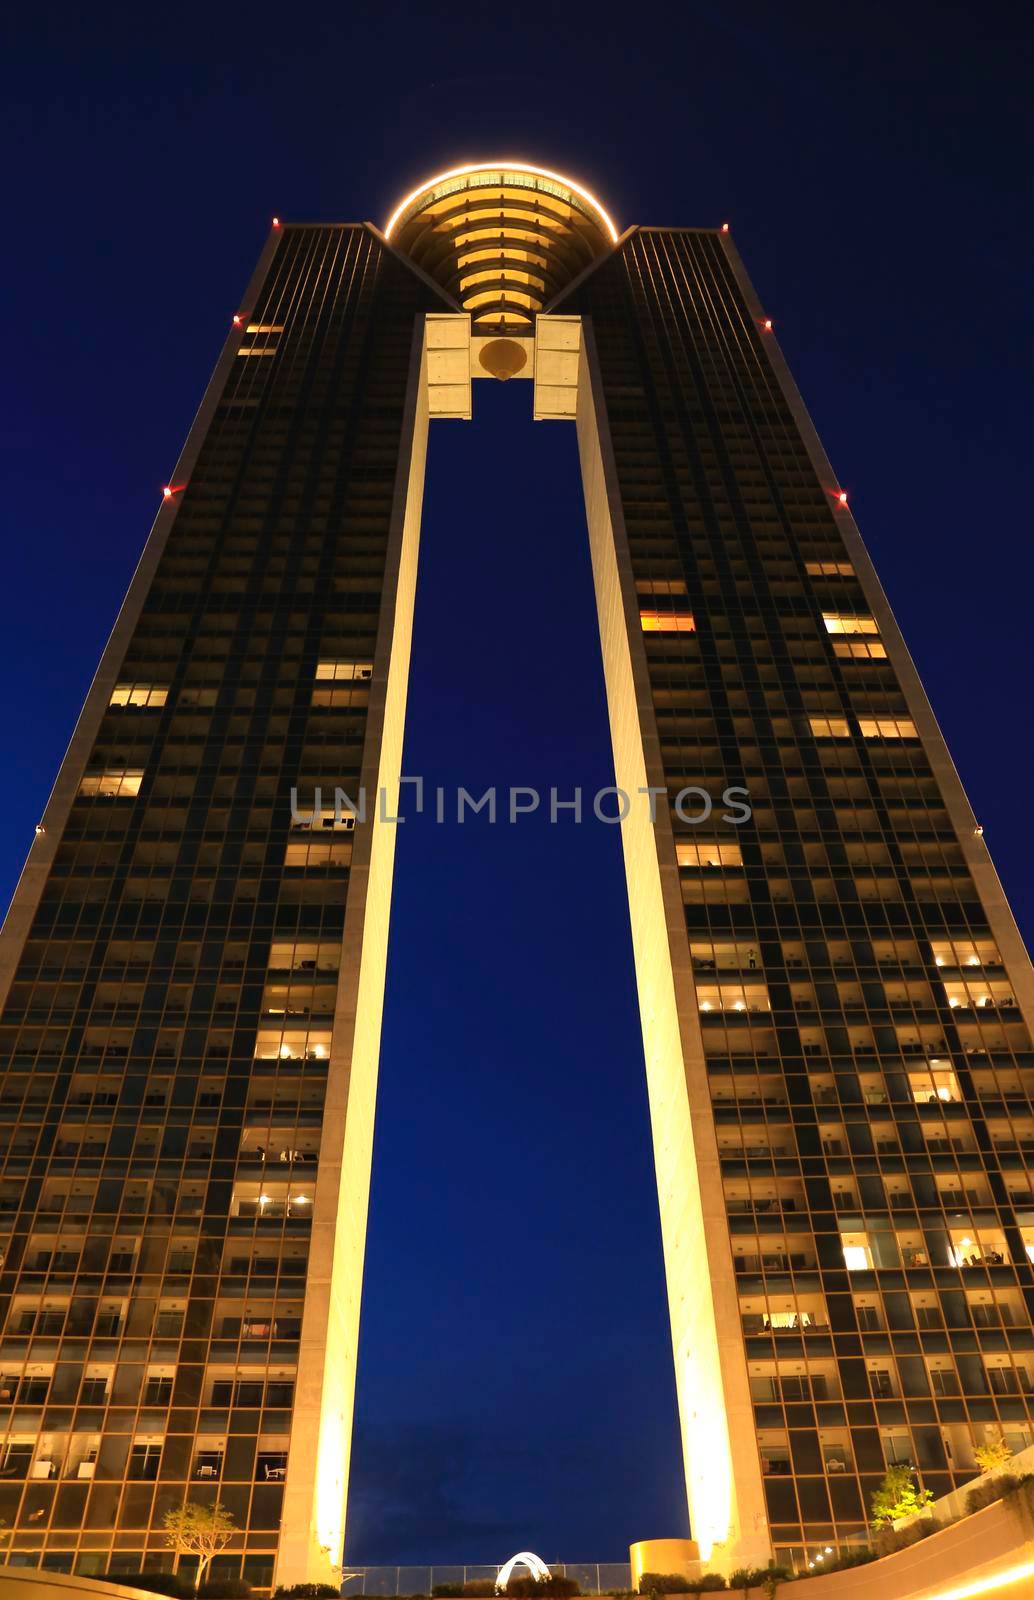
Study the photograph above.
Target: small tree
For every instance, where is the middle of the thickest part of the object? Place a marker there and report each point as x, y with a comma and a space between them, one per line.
898, 1496
993, 1453
201, 1531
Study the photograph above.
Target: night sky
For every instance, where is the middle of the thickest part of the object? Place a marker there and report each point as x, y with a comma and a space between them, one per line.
515, 1384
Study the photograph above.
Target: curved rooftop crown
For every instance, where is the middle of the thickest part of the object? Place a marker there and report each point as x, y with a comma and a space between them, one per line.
502, 237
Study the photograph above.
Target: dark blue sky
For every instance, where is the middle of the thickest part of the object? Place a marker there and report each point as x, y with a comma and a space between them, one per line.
515, 1384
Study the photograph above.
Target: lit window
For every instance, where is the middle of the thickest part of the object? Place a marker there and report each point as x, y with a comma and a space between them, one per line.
857, 1254
326, 820
937, 1084
691, 853
829, 569
301, 1046
830, 727
308, 959
258, 350
965, 953
668, 622
323, 854
345, 671
112, 785
856, 650
264, 327
138, 694
970, 1248
733, 997
660, 586
847, 622
708, 957
887, 728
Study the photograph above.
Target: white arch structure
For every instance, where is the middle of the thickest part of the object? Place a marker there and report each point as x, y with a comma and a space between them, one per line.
535, 1565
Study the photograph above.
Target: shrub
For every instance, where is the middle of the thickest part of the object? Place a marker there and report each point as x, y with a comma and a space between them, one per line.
313, 1591
555, 1587
985, 1494
153, 1583
678, 1583
229, 1589
887, 1539
747, 1578
475, 1586
849, 1558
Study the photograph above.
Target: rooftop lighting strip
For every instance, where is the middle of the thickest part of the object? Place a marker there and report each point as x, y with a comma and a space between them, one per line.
502, 167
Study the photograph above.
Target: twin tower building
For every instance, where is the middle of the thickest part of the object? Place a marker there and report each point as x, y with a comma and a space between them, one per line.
836, 1005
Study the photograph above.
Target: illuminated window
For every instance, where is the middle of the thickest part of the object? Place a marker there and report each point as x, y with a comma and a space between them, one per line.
980, 993
965, 953
668, 622
345, 671
848, 622
325, 853
691, 853
264, 327
733, 997
112, 785
305, 958
829, 569
734, 957
347, 683
887, 728
857, 1255
935, 1084
969, 1247
259, 350
291, 1046
660, 586
830, 727
138, 694
326, 820
857, 650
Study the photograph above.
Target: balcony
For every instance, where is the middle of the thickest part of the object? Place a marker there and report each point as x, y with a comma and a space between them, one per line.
780, 1323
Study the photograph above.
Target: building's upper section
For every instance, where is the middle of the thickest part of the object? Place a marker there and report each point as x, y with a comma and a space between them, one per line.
502, 238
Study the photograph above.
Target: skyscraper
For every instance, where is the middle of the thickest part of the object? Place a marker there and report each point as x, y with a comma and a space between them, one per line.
835, 1000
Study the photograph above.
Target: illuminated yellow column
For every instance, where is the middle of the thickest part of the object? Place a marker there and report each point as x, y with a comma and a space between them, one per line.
316, 1486
723, 1471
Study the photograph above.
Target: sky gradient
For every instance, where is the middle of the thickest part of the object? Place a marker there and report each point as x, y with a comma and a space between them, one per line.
515, 1385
